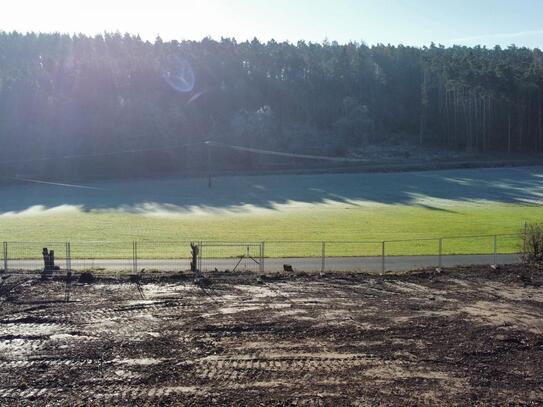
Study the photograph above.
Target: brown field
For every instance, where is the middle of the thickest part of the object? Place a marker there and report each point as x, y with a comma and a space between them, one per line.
460, 337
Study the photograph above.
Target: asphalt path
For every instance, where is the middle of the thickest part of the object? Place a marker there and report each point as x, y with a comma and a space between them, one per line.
350, 264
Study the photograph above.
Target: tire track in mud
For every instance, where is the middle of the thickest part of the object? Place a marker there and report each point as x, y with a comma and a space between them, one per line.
108, 394
23, 346
314, 296
14, 393
14, 364
149, 396
281, 342
250, 368
98, 315
312, 402
336, 296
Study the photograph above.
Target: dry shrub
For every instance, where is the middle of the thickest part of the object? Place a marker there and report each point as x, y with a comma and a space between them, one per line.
532, 243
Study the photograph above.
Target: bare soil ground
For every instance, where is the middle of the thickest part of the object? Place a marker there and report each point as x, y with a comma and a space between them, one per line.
460, 337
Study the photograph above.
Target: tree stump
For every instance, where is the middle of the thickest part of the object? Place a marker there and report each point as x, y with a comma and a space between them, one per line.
194, 251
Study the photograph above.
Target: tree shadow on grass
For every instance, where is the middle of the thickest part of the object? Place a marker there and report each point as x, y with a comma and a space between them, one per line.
239, 194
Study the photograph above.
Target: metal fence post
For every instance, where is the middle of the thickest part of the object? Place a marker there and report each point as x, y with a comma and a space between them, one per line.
135, 257
525, 237
495, 250
68, 257
323, 256
262, 257
440, 252
5, 257
199, 257
383, 256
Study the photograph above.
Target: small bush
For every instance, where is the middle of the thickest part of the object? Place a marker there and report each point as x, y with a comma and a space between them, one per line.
532, 243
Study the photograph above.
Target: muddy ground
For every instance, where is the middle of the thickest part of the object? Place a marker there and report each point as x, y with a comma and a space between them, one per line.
460, 337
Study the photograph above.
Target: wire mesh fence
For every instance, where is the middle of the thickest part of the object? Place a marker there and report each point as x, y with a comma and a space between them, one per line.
29, 256
395, 254
171, 256
293, 255
511, 243
102, 256
454, 248
230, 256
165, 255
352, 256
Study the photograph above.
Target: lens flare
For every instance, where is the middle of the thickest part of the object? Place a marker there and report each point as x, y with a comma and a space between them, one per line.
195, 97
179, 75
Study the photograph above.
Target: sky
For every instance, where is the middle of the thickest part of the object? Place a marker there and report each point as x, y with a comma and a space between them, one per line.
409, 22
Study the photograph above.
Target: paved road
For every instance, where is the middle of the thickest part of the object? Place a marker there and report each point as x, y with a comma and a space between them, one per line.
370, 264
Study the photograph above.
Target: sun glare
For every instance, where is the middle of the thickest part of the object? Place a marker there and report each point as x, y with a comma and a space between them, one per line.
169, 19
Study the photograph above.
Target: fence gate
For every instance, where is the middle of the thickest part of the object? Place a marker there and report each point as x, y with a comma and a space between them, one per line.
224, 256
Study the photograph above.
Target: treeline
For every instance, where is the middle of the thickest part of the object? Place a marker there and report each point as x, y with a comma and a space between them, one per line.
118, 105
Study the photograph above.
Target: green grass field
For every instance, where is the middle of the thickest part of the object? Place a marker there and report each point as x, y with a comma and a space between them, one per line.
370, 223
333, 207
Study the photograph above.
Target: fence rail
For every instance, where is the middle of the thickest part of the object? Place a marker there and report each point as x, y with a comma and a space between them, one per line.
378, 256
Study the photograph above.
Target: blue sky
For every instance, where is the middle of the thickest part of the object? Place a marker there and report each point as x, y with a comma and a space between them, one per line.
411, 22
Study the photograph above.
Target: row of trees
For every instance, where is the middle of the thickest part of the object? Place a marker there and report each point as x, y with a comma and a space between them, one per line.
91, 99
482, 100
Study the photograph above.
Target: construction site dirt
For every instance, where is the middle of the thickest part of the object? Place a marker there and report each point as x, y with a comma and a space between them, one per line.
469, 336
